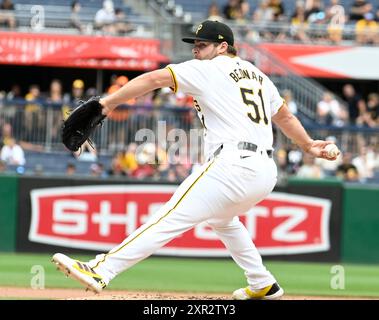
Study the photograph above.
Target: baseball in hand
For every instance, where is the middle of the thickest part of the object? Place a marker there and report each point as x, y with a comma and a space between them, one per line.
332, 150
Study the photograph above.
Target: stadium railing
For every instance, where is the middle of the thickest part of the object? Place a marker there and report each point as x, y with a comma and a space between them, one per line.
39, 123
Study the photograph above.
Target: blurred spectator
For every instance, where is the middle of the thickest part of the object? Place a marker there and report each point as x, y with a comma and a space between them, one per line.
171, 175
314, 11
294, 156
128, 159
70, 169
2, 97
367, 29
162, 160
244, 9
117, 83
116, 168
7, 17
3, 166
33, 118
282, 163
181, 172
356, 105
72, 99
6, 134
309, 169
278, 14
214, 12
281, 156
277, 8
358, 9
91, 91
56, 92
346, 170
74, 18
105, 17
15, 92
55, 99
182, 168
77, 91
119, 115
287, 96
299, 25
146, 153
375, 147
232, 9
365, 163
121, 25
335, 15
263, 13
12, 153
372, 114
330, 112
146, 159
97, 170
143, 171
33, 95
268, 10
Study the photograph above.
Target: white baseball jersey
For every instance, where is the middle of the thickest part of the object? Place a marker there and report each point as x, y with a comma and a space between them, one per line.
235, 102
234, 99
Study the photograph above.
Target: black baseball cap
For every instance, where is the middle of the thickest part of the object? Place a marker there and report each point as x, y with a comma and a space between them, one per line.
213, 31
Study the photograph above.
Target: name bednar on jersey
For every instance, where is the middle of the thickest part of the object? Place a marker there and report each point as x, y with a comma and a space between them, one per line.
226, 121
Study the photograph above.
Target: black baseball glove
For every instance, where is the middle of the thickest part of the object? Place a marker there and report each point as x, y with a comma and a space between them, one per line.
81, 123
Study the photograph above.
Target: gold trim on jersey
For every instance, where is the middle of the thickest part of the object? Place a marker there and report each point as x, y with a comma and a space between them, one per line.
175, 88
160, 219
284, 103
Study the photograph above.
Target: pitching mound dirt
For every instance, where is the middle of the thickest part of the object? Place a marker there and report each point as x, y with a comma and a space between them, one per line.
78, 294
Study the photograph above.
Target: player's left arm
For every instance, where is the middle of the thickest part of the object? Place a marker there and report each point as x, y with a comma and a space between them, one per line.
137, 87
290, 125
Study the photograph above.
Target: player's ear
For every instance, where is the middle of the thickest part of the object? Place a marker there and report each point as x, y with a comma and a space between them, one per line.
223, 47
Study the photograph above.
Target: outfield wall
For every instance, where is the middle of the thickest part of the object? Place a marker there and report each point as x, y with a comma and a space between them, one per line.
9, 200
361, 224
306, 220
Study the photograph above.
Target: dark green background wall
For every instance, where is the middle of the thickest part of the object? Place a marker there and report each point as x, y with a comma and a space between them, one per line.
8, 212
360, 231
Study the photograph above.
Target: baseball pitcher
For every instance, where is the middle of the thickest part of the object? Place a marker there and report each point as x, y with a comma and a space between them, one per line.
237, 104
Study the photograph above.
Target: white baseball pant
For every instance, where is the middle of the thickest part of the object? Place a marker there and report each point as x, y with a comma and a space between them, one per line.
223, 188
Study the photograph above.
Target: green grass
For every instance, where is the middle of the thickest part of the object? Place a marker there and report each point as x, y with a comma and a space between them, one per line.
200, 275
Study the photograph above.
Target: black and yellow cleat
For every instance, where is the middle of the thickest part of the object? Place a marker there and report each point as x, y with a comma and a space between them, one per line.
271, 292
79, 271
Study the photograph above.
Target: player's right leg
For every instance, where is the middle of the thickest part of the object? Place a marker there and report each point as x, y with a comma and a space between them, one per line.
189, 205
261, 283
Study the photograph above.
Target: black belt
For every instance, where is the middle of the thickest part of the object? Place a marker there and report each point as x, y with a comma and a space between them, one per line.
243, 145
